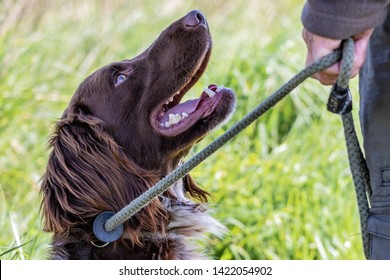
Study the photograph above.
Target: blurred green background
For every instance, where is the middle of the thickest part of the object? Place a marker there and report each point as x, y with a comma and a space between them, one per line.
282, 187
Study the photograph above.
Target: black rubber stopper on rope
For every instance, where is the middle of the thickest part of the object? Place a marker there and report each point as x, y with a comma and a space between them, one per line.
340, 100
101, 233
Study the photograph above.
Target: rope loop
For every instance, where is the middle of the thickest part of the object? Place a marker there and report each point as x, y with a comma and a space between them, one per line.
357, 162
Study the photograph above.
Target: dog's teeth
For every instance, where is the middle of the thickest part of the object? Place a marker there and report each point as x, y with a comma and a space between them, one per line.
219, 88
169, 100
174, 119
209, 92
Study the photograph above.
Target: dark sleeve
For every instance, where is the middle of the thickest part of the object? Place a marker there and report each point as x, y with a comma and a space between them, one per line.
340, 19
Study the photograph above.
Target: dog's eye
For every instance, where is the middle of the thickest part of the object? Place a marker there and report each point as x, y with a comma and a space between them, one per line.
119, 79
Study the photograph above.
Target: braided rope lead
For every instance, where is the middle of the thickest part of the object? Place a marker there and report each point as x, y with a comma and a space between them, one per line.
357, 162
144, 199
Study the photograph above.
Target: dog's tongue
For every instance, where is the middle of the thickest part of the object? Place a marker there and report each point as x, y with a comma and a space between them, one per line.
187, 107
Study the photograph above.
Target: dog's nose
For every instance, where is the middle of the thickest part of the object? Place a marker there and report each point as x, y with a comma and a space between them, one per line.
194, 18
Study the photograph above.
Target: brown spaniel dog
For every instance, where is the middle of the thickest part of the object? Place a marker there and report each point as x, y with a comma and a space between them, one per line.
123, 131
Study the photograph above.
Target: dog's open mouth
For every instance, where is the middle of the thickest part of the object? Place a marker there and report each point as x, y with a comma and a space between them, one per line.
174, 118
171, 118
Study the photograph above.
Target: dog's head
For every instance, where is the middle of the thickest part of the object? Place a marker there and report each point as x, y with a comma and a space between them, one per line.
125, 129
139, 99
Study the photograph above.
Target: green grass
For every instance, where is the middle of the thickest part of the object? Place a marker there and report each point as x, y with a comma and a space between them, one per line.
282, 187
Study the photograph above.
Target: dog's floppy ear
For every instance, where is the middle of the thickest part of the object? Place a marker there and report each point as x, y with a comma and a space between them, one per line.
88, 173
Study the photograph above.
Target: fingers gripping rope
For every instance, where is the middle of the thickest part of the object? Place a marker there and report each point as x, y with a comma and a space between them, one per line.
109, 227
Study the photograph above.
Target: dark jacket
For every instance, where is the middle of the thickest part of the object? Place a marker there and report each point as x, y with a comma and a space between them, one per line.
340, 19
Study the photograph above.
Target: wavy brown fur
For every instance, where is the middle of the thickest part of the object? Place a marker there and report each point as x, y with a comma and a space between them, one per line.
88, 173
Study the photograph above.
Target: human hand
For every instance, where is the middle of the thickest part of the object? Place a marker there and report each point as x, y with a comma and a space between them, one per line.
318, 46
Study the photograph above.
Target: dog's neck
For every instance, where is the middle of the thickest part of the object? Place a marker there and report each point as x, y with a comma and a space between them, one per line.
189, 224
